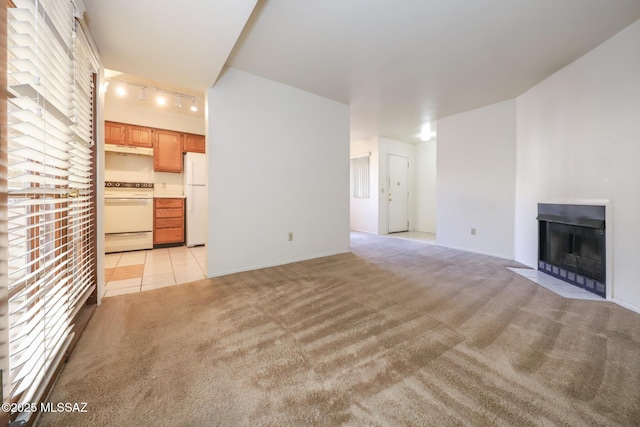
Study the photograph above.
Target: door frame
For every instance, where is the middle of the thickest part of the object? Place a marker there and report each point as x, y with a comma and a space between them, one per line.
388, 185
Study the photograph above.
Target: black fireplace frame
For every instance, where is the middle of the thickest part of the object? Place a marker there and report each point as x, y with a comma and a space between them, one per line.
573, 222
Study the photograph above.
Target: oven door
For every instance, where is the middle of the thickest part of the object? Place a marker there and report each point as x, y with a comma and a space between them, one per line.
128, 224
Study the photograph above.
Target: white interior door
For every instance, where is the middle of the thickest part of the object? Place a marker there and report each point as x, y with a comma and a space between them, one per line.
398, 193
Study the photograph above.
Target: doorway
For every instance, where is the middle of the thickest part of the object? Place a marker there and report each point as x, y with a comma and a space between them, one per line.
397, 193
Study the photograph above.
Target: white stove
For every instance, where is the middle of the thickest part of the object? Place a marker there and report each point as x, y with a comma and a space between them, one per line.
128, 216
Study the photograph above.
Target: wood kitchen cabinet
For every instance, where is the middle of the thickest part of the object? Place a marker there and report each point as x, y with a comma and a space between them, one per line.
193, 143
115, 133
125, 134
167, 145
167, 151
168, 221
140, 136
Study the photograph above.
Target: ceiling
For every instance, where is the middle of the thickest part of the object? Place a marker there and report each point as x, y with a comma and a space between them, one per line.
184, 43
398, 64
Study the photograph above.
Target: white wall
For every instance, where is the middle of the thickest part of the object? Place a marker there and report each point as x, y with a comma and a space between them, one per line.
388, 146
578, 140
425, 193
476, 171
279, 163
364, 212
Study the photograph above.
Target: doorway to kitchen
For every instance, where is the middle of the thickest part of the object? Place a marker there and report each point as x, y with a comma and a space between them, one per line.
150, 149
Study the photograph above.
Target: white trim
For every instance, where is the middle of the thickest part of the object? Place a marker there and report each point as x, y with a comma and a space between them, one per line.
268, 265
506, 258
626, 305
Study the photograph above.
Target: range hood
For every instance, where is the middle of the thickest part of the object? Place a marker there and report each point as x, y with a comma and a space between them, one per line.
122, 149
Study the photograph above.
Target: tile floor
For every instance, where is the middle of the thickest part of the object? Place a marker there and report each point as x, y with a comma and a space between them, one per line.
417, 236
558, 286
138, 271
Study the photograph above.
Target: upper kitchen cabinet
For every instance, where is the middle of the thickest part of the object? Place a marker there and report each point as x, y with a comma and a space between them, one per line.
140, 136
167, 151
193, 143
125, 134
115, 133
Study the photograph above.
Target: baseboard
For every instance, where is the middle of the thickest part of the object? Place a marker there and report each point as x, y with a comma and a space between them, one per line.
364, 231
475, 252
276, 264
626, 305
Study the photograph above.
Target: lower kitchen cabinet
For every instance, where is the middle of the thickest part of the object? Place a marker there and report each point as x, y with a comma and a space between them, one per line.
168, 221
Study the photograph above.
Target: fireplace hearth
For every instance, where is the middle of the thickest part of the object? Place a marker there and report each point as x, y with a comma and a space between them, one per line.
571, 244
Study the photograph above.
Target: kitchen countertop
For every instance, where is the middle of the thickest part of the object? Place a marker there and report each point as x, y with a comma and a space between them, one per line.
169, 196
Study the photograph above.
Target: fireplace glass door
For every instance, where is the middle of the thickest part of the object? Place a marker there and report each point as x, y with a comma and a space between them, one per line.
574, 252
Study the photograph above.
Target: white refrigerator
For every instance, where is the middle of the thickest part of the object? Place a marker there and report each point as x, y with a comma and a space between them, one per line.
195, 189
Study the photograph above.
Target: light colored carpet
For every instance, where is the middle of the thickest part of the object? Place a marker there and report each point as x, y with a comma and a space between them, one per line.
395, 333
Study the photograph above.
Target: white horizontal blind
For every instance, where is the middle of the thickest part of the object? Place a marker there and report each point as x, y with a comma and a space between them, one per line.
50, 210
82, 206
4, 315
360, 176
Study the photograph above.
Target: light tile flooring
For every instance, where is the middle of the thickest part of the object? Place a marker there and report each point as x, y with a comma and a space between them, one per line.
558, 286
129, 272
417, 236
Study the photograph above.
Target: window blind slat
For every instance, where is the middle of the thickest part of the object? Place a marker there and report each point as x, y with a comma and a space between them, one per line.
51, 233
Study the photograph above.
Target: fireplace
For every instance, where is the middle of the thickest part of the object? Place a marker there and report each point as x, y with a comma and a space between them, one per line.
571, 244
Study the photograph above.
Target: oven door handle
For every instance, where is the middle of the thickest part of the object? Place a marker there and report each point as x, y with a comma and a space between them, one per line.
129, 233
127, 199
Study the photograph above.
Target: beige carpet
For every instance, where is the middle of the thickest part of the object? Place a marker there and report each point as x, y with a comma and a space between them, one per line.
395, 333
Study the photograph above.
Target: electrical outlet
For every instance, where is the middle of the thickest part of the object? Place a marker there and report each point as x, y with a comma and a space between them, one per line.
473, 231
290, 236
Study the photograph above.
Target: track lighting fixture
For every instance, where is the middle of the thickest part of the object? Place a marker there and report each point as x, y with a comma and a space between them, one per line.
122, 88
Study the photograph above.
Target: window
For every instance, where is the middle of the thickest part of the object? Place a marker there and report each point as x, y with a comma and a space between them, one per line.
50, 186
360, 176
